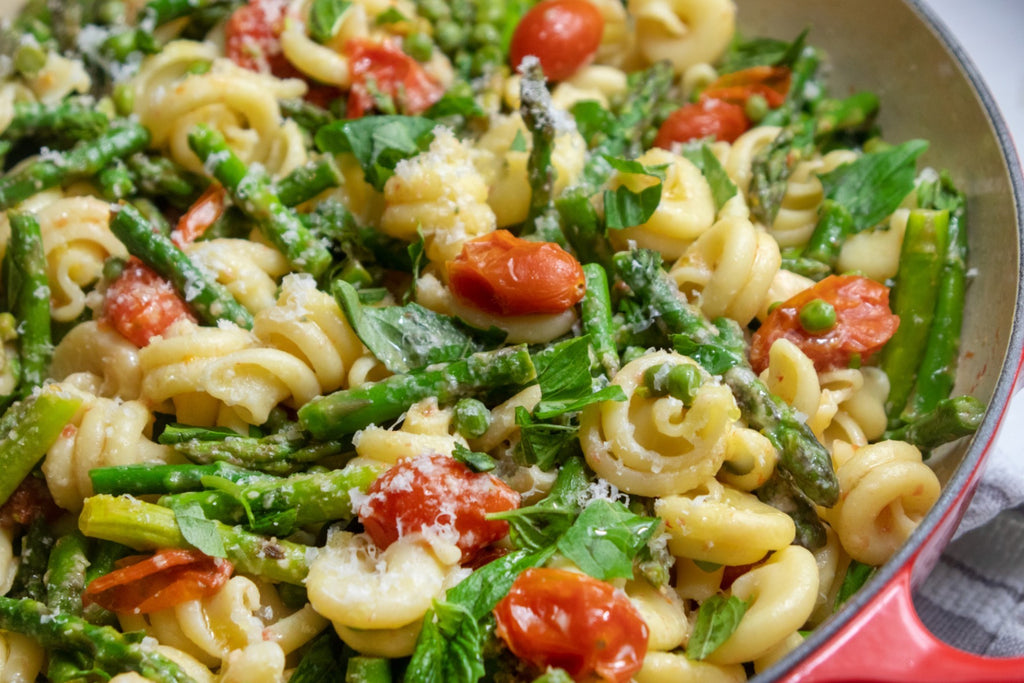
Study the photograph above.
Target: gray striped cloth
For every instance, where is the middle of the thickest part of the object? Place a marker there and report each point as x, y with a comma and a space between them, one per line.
974, 598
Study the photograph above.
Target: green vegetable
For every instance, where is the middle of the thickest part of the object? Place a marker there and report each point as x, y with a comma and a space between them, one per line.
325, 17
817, 316
29, 290
717, 619
377, 142
471, 417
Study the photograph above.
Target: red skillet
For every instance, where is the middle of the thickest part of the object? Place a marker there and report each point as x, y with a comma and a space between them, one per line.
928, 89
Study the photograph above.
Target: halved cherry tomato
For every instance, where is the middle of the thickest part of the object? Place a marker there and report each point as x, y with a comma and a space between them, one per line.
502, 274
864, 323
437, 493
141, 304
30, 501
252, 37
149, 584
718, 119
771, 82
564, 619
563, 34
388, 70
203, 213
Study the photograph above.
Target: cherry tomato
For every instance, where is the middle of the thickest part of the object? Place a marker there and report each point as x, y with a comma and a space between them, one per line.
149, 584
140, 304
771, 82
864, 323
564, 619
252, 37
30, 501
563, 34
200, 216
436, 492
385, 68
714, 118
502, 274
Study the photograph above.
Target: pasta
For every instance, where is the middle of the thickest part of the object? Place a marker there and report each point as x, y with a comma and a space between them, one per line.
342, 342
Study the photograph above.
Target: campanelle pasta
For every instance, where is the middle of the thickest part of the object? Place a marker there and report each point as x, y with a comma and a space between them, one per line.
434, 341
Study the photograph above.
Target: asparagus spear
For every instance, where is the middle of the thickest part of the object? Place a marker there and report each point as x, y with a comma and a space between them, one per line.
147, 526
596, 315
84, 159
27, 430
160, 177
109, 648
950, 419
801, 456
306, 499
137, 480
283, 452
252, 192
36, 545
834, 225
539, 116
66, 574
29, 284
344, 412
937, 373
67, 119
211, 301
913, 300
308, 181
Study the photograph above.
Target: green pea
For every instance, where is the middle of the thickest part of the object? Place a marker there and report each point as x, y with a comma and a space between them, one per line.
29, 59
124, 98
112, 268
756, 107
485, 34
683, 382
487, 56
434, 10
817, 316
418, 46
472, 418
449, 35
356, 274
490, 12
111, 12
199, 67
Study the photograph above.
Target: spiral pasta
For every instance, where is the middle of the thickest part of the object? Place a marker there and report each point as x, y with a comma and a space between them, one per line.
798, 210
426, 429
685, 211
21, 658
105, 432
654, 446
728, 269
885, 491
441, 194
93, 354
249, 270
876, 252
241, 104
684, 32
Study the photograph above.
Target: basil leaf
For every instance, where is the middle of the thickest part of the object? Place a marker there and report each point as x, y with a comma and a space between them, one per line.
479, 592
874, 185
605, 538
743, 54
717, 619
377, 142
565, 380
449, 647
456, 101
321, 661
592, 120
545, 445
324, 17
722, 187
404, 338
539, 526
624, 208
478, 462
199, 531
518, 143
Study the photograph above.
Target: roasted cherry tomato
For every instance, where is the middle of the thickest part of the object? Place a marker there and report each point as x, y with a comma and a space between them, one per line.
436, 492
252, 37
29, 502
141, 304
502, 274
863, 323
384, 68
564, 619
713, 118
200, 216
150, 584
770, 82
563, 34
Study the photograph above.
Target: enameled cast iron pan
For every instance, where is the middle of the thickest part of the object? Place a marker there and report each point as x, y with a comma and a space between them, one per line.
928, 89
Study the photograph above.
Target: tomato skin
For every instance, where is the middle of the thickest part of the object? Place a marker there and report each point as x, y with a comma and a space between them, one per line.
203, 213
771, 82
437, 491
140, 304
502, 274
391, 72
564, 619
252, 37
864, 323
715, 118
563, 34
165, 579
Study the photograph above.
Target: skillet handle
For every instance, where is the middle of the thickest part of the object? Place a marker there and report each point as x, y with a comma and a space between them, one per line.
886, 641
